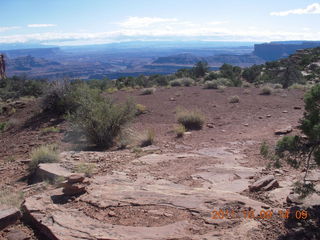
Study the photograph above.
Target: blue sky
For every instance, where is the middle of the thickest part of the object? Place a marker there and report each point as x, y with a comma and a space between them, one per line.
74, 22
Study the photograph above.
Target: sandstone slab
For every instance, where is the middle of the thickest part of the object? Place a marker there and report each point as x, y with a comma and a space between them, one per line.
51, 171
262, 182
8, 216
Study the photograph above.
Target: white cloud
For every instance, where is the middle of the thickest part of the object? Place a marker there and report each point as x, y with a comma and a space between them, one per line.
310, 9
217, 22
4, 29
141, 22
41, 25
138, 28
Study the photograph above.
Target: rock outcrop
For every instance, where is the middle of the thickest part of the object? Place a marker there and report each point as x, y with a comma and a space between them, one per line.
264, 184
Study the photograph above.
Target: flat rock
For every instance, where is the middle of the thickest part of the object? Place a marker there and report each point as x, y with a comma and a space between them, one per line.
58, 221
51, 171
8, 216
283, 131
262, 182
17, 235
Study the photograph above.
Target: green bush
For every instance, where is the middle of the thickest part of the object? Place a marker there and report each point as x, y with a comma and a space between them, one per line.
147, 91
266, 91
264, 149
191, 120
43, 154
3, 126
100, 119
211, 85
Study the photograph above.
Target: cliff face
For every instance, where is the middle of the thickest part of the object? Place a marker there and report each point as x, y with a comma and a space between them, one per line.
276, 50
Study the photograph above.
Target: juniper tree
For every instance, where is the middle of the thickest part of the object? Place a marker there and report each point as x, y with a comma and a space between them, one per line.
304, 149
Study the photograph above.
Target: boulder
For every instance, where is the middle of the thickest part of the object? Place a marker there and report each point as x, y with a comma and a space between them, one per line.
8, 216
51, 171
283, 131
273, 184
263, 182
74, 189
294, 198
75, 185
75, 178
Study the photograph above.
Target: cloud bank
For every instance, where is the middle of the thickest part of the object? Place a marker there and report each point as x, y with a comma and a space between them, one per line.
164, 29
311, 9
41, 25
141, 22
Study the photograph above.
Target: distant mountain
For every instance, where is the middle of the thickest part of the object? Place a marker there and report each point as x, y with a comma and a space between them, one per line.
184, 59
216, 61
35, 52
28, 63
276, 50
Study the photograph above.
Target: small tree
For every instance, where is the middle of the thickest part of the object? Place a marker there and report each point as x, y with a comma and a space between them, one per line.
200, 69
305, 149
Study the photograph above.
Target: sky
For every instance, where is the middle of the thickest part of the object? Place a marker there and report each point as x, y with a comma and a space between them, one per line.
79, 22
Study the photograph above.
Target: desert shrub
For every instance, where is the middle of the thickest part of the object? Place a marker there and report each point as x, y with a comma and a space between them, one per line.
147, 91
224, 82
148, 139
140, 109
277, 86
187, 82
176, 83
112, 90
234, 99
86, 168
211, 85
298, 86
211, 76
266, 91
16, 87
100, 119
246, 85
59, 98
43, 154
264, 149
191, 120
221, 88
246, 91
11, 197
180, 130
